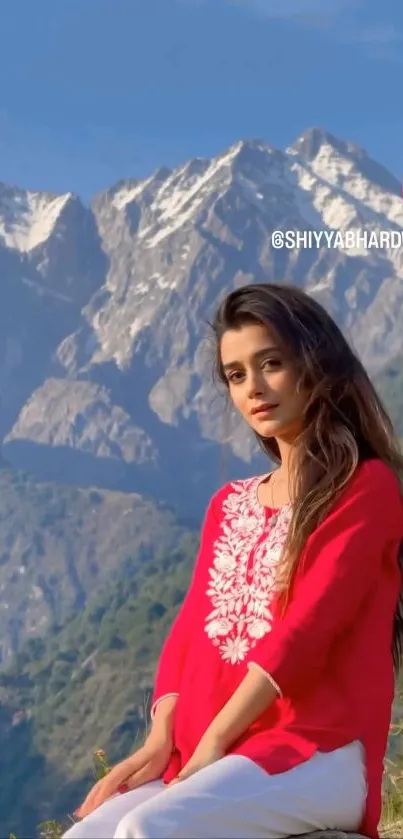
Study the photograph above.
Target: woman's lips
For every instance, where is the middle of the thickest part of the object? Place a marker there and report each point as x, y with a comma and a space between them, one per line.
264, 409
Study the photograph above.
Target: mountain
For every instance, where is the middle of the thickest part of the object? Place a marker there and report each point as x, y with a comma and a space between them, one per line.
105, 351
51, 264
85, 685
58, 544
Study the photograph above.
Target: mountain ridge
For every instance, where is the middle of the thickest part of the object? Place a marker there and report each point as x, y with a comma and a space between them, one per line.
130, 357
59, 544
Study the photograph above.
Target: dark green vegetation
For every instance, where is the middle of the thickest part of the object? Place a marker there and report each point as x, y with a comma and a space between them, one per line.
59, 544
85, 686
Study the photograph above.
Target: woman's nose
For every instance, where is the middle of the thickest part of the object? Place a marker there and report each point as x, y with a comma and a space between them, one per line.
255, 384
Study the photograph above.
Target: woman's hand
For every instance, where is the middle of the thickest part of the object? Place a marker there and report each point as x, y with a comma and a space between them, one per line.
147, 764
208, 751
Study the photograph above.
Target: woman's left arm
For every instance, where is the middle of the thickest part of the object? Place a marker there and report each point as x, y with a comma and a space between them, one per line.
347, 556
251, 698
343, 562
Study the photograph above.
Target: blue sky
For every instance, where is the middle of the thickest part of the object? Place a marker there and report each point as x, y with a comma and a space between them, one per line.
97, 90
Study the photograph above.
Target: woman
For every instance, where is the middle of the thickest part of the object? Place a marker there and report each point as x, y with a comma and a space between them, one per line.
273, 695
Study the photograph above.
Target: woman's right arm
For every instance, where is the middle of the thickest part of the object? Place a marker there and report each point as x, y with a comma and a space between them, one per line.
173, 655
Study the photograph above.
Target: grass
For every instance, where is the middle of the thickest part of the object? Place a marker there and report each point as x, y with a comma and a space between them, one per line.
52, 829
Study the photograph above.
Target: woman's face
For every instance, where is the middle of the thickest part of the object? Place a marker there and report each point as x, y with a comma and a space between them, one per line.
262, 382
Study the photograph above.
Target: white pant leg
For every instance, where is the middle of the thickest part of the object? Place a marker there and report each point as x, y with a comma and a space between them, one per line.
103, 821
233, 799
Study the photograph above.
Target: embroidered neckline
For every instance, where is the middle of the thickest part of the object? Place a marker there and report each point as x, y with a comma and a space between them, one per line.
242, 576
275, 510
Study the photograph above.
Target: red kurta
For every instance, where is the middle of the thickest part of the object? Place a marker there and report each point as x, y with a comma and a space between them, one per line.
329, 655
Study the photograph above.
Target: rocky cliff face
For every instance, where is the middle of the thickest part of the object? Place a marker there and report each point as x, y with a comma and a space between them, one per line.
105, 355
51, 264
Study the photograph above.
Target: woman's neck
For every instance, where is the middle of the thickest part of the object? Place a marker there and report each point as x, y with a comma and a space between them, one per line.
285, 451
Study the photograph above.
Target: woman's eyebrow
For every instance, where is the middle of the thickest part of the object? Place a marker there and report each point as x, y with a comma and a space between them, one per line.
255, 355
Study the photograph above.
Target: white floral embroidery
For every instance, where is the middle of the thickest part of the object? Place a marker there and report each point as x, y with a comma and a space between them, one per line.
234, 650
242, 576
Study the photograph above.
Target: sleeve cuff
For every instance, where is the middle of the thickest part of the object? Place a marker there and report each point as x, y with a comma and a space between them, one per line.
268, 676
160, 698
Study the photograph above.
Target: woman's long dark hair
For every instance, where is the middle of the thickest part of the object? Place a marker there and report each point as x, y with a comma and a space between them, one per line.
345, 421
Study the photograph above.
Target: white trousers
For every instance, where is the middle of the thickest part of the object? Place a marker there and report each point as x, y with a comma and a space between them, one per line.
236, 799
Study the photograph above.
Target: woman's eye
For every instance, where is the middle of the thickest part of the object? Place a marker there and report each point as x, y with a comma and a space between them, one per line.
272, 363
235, 376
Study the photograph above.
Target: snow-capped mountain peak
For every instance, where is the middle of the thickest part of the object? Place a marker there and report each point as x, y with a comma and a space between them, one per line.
27, 219
330, 158
149, 262
128, 191
171, 201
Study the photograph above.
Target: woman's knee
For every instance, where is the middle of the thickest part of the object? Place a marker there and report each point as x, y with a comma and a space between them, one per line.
133, 825
146, 822
75, 832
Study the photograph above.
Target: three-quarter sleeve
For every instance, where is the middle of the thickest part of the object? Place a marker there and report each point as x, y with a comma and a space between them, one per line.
173, 655
344, 560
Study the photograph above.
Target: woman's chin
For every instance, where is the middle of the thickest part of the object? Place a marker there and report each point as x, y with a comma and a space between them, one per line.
268, 427
276, 428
